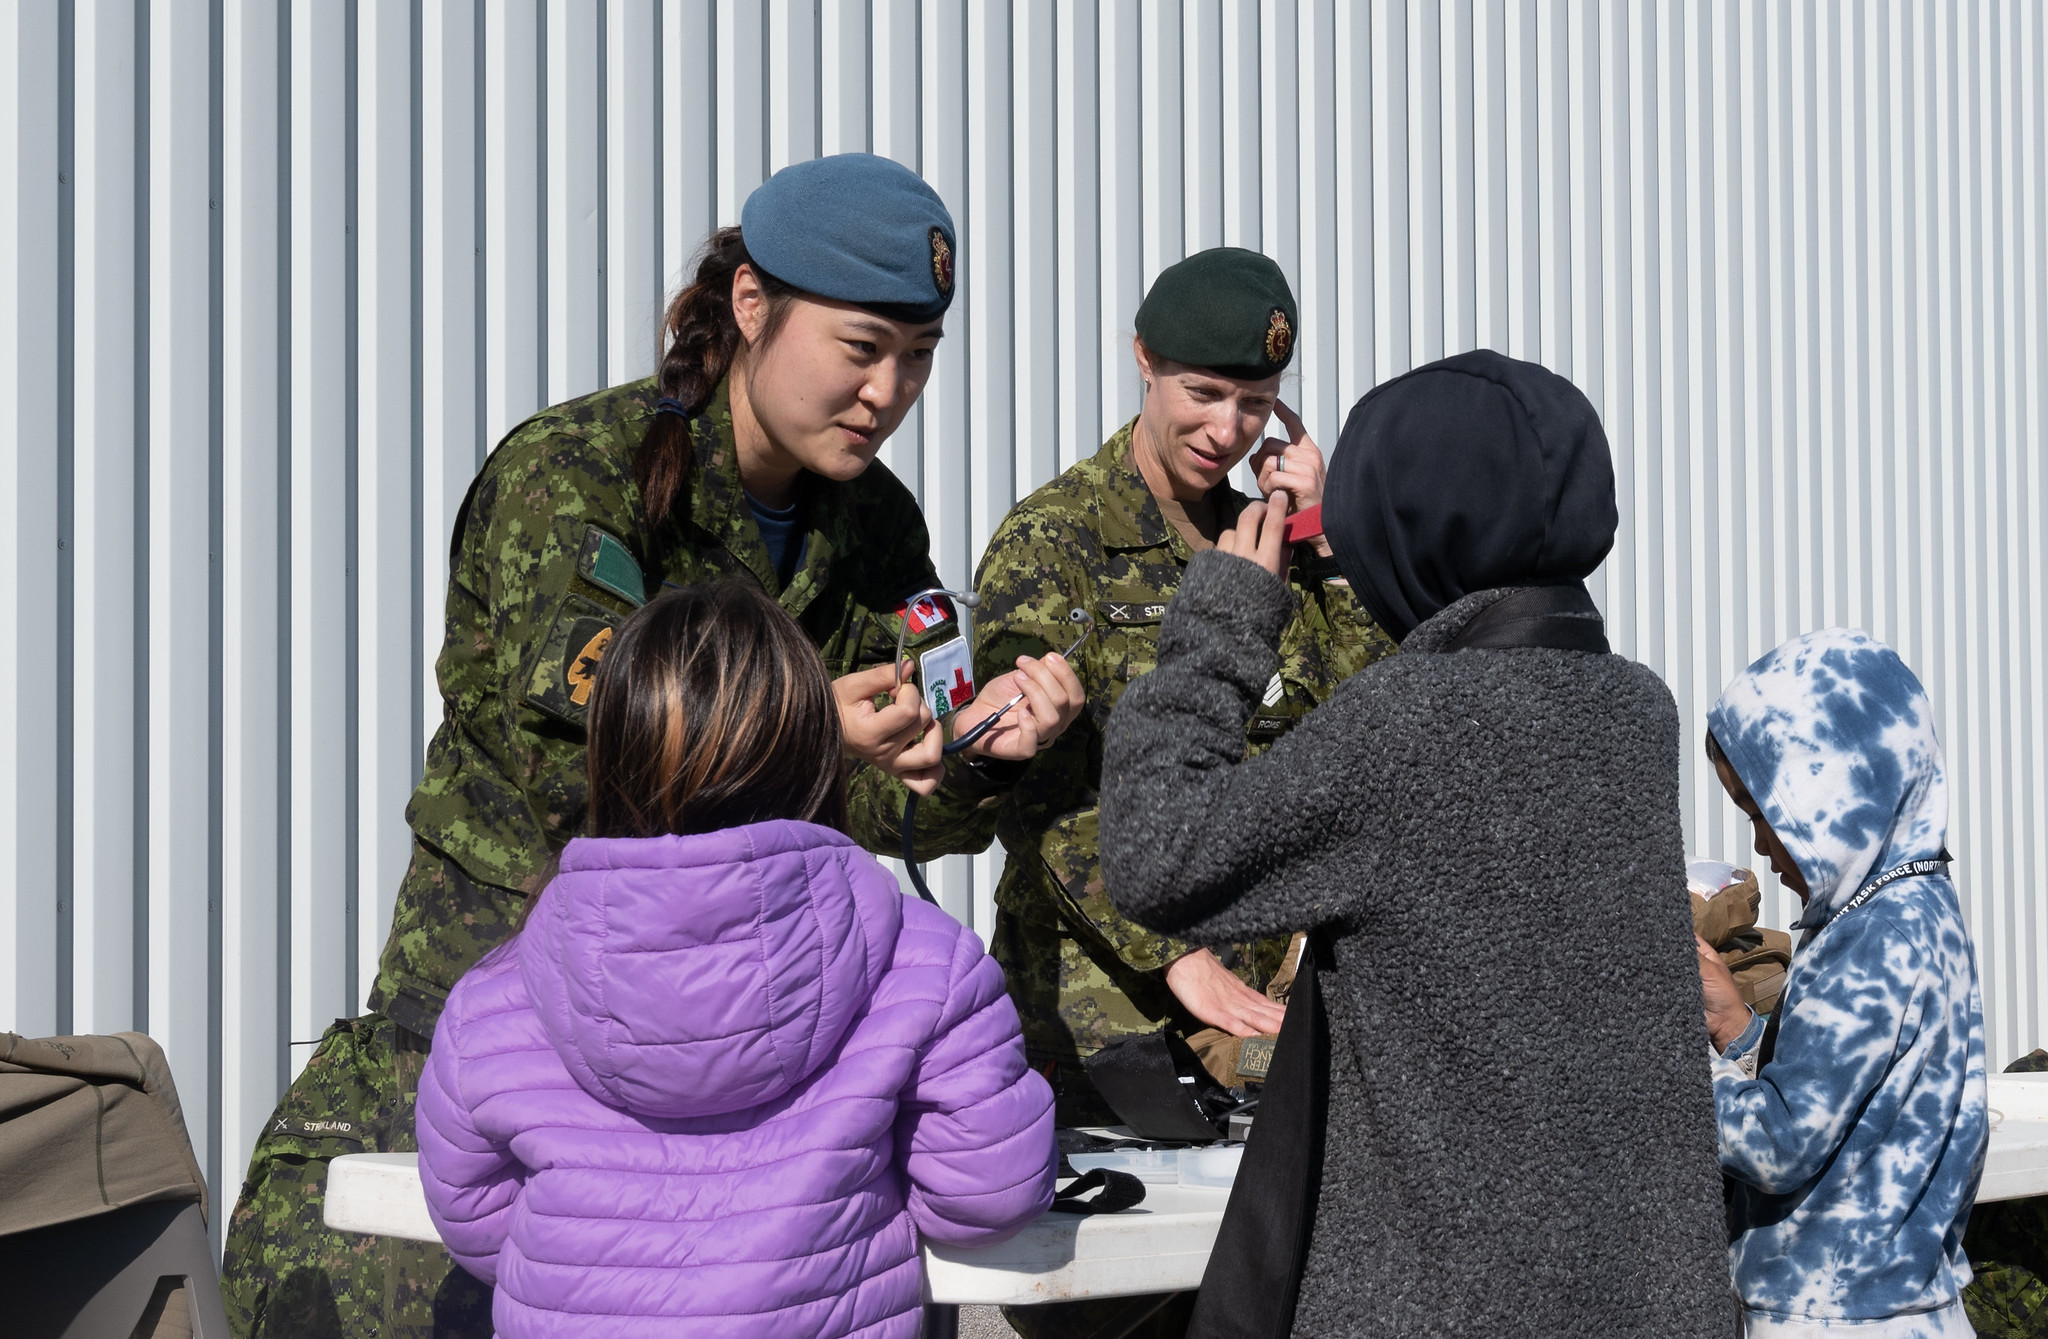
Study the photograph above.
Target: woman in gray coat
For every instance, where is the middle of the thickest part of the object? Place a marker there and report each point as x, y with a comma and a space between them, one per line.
1498, 1119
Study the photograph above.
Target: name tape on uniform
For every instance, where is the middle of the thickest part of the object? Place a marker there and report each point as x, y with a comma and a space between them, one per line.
317, 1129
1255, 1057
1130, 611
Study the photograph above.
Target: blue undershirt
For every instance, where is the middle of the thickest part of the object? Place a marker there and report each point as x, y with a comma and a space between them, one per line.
783, 534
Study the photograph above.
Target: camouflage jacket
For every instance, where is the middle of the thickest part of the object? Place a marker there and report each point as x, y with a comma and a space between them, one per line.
551, 550
1095, 538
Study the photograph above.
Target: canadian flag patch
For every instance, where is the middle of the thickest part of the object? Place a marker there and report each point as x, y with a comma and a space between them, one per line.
924, 614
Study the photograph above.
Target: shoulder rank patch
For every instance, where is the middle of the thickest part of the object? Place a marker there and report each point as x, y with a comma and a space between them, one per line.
1124, 612
607, 564
567, 668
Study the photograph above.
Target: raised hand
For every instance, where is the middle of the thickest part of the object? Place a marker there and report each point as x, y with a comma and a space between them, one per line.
1261, 534
1295, 464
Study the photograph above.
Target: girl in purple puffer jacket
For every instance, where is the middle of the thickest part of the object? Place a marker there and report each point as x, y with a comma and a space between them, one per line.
726, 1074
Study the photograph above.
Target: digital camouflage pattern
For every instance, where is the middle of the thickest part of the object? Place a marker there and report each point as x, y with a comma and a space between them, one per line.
284, 1274
2006, 1302
533, 592
2008, 1248
550, 553
1081, 974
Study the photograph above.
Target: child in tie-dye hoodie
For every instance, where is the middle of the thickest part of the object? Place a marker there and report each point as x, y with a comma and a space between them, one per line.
1854, 1124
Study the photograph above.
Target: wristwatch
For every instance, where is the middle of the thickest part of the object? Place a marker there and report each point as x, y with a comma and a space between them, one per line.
1324, 569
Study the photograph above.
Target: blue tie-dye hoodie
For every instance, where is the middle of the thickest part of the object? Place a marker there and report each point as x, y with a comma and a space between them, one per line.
1857, 1145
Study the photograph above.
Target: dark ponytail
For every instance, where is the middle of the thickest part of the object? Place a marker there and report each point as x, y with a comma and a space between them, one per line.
700, 342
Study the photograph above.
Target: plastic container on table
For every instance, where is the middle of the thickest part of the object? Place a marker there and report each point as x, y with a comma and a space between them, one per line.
1212, 1167
1707, 877
1157, 1165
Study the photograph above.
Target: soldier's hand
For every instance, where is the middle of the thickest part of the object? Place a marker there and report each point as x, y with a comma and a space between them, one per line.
896, 737
1211, 992
1295, 463
1261, 534
1053, 697
1727, 1014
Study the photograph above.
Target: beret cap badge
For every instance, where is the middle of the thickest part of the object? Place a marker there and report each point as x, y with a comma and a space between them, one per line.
942, 262
858, 228
1279, 337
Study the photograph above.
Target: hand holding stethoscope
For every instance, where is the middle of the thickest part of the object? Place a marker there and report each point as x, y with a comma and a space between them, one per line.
1050, 691
1047, 689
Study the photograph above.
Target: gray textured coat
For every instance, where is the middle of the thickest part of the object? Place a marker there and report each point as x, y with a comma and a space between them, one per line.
1521, 1133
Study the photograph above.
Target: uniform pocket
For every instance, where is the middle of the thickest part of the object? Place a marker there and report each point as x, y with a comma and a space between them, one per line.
1127, 625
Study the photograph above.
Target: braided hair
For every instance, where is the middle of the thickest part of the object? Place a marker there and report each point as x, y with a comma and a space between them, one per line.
700, 343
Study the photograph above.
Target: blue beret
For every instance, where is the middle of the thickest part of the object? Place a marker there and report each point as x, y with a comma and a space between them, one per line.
855, 228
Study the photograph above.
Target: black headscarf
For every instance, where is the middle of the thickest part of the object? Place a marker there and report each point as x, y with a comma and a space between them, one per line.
1469, 474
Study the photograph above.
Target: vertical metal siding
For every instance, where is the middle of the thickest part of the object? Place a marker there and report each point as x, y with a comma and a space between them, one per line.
274, 278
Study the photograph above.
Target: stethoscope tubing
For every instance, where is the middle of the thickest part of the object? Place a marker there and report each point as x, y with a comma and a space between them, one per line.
966, 740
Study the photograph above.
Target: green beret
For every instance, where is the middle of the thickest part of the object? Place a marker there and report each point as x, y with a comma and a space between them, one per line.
1227, 310
857, 228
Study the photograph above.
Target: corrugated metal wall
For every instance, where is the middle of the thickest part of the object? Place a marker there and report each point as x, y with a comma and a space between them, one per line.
275, 276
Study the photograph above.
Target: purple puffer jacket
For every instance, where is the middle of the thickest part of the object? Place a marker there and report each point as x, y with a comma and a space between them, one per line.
718, 1085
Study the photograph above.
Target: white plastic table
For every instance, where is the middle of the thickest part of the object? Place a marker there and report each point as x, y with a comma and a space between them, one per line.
1160, 1246
2016, 1161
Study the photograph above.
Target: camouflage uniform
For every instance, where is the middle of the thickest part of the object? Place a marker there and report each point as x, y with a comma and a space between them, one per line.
1081, 974
285, 1273
551, 551
2007, 1243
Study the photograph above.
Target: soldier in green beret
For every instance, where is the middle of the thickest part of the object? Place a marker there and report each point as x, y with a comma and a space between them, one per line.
807, 335
1113, 535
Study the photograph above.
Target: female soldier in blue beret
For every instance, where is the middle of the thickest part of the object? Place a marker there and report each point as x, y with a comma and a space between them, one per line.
806, 336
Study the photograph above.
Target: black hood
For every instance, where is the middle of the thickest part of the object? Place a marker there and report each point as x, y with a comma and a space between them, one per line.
1469, 474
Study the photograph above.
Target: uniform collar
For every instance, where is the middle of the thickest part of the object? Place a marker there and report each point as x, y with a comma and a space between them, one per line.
1131, 518
718, 506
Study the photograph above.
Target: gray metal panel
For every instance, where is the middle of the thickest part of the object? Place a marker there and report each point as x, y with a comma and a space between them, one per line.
183, 731
29, 299
1794, 252
256, 512
104, 536
318, 648
389, 457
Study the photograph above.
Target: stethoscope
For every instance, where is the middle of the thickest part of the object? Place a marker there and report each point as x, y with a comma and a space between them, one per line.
966, 602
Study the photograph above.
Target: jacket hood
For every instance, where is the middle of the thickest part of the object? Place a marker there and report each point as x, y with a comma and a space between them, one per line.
699, 975
1834, 737
1472, 473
